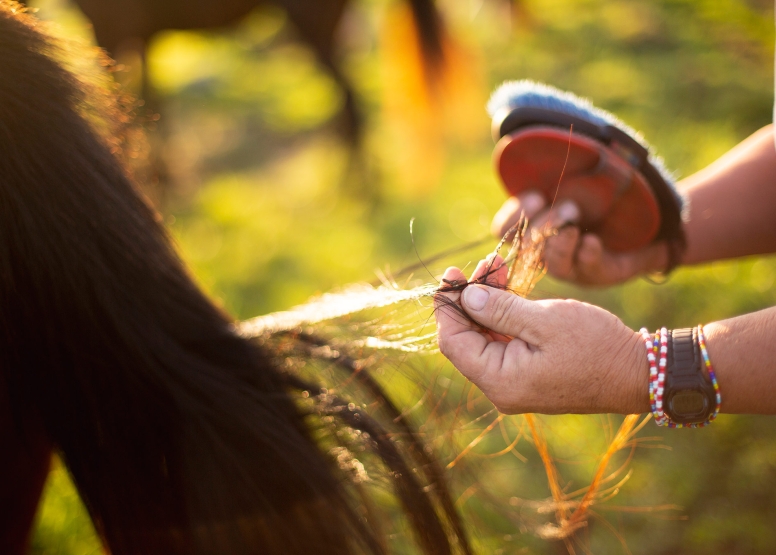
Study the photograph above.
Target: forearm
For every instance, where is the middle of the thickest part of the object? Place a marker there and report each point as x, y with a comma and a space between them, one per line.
743, 353
733, 203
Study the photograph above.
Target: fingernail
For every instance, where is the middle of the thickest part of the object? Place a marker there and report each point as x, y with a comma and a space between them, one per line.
531, 202
568, 212
475, 297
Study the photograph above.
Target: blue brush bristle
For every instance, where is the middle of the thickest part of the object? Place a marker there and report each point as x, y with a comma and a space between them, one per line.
530, 94
525, 93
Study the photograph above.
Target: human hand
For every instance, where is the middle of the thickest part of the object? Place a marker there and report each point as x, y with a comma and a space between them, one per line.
574, 256
551, 357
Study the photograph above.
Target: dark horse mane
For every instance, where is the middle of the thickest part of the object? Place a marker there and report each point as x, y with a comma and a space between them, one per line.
180, 435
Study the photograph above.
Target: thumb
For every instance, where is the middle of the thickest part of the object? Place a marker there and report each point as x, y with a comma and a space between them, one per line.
500, 311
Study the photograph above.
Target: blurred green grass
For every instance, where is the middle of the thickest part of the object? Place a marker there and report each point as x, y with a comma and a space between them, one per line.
266, 214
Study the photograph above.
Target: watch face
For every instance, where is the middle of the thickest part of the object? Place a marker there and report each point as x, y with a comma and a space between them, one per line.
688, 403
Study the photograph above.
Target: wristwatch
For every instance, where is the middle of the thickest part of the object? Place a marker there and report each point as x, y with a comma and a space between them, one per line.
689, 396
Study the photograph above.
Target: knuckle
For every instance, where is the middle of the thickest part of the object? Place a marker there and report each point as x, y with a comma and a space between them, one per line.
569, 308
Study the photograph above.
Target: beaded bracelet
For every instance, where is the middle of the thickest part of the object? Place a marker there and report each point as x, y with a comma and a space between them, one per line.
657, 356
661, 419
712, 374
651, 347
649, 344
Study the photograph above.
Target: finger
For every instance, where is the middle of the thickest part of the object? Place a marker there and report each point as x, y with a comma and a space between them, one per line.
528, 203
459, 339
479, 356
480, 270
566, 212
499, 336
452, 276
590, 257
501, 312
597, 266
497, 278
495, 268
559, 253
449, 321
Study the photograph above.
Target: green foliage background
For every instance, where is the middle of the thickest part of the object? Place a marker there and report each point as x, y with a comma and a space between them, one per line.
266, 215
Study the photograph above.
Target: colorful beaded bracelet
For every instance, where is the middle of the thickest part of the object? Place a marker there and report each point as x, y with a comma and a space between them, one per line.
651, 347
660, 417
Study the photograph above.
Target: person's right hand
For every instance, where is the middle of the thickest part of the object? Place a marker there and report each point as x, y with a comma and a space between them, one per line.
574, 256
551, 356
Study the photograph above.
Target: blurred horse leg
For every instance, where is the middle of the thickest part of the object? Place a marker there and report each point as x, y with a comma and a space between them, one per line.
317, 23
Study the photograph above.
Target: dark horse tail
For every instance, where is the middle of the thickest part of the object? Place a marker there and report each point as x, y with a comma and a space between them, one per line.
181, 436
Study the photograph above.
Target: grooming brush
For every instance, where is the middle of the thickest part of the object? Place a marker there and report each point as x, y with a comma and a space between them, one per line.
624, 192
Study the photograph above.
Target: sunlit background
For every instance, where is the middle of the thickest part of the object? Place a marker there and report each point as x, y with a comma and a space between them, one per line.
270, 206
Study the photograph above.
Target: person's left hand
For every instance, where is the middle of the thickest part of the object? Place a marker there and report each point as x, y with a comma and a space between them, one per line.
551, 356
573, 256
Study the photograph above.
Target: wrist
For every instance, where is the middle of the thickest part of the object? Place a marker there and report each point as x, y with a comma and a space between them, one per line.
632, 385
683, 388
716, 334
639, 376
